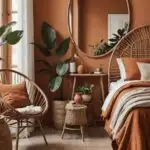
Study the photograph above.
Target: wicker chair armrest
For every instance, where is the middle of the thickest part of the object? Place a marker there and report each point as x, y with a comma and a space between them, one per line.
37, 96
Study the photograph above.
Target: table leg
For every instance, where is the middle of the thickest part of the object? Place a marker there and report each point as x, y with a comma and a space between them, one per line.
64, 127
82, 132
73, 89
102, 88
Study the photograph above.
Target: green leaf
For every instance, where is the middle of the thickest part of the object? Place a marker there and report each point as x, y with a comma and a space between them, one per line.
14, 37
62, 69
121, 31
116, 36
113, 40
63, 47
42, 49
48, 35
47, 64
4, 28
55, 83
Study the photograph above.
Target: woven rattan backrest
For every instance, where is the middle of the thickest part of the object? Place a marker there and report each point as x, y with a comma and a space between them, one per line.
36, 95
136, 44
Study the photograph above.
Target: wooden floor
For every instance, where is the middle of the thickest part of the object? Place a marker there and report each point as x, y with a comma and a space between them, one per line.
95, 139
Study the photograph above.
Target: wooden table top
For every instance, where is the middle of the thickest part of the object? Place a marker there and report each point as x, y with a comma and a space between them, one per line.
87, 75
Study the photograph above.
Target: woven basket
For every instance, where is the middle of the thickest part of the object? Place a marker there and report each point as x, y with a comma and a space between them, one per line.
76, 115
59, 113
5, 136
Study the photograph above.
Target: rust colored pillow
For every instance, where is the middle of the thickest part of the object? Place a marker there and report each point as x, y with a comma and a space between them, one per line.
15, 95
131, 67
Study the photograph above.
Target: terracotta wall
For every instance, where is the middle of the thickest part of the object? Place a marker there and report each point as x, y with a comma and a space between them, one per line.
55, 12
93, 20
140, 10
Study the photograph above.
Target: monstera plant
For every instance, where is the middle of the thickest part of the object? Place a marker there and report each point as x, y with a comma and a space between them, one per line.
8, 36
50, 48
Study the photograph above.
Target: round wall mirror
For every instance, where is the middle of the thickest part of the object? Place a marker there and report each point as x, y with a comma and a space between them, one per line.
96, 26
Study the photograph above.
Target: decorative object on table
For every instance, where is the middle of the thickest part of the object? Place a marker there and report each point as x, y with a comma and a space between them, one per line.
85, 91
77, 98
75, 116
103, 47
55, 72
5, 135
72, 67
99, 70
80, 69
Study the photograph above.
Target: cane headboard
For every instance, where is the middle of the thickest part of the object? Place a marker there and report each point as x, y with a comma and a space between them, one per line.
135, 44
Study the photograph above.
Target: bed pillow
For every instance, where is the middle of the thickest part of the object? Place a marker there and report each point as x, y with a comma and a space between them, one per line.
15, 95
144, 70
131, 68
121, 69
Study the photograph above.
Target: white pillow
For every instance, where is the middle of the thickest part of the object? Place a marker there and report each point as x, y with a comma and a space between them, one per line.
121, 68
144, 70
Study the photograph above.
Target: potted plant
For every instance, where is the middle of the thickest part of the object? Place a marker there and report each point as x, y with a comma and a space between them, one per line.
85, 92
55, 72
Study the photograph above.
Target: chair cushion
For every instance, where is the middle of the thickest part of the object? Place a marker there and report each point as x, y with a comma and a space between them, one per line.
16, 95
30, 110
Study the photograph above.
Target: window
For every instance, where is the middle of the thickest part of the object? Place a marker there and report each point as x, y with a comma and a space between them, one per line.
20, 56
17, 15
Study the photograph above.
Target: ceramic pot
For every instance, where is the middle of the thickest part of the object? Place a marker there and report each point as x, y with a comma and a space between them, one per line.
77, 98
86, 98
80, 69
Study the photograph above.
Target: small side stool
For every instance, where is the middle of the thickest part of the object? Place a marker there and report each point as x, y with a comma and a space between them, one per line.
75, 116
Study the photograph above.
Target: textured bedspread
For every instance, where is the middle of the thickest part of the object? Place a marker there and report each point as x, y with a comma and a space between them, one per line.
134, 128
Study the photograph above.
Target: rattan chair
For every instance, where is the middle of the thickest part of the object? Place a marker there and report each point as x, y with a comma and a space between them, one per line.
36, 96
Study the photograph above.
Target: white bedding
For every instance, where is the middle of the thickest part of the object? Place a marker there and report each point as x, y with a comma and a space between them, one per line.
112, 90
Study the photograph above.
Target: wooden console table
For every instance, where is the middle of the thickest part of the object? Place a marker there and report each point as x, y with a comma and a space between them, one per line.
101, 83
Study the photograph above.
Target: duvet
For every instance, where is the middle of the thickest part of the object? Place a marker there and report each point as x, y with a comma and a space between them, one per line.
127, 116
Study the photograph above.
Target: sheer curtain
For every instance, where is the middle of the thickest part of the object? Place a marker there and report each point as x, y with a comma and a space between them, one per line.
23, 52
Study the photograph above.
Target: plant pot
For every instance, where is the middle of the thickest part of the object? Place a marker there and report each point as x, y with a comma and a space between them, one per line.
77, 98
86, 98
58, 110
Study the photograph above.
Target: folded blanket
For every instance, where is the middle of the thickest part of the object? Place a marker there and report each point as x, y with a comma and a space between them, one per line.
139, 97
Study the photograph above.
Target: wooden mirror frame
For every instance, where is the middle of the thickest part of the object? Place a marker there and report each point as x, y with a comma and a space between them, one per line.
77, 47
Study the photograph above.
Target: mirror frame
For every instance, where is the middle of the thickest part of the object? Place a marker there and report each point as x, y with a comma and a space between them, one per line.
77, 47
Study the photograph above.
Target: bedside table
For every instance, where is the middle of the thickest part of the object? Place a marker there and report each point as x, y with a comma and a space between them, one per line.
101, 83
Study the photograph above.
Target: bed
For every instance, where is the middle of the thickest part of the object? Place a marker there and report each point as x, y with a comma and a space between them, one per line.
126, 110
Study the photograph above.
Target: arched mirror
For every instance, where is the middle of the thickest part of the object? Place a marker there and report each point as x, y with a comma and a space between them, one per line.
96, 26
